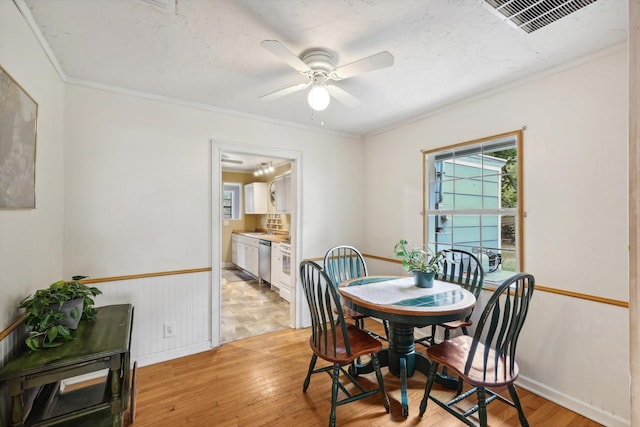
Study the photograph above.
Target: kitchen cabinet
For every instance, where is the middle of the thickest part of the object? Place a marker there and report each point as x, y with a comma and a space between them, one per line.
255, 198
283, 193
234, 249
253, 258
247, 256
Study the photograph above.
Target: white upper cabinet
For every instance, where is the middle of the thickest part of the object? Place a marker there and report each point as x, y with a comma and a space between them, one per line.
255, 198
283, 193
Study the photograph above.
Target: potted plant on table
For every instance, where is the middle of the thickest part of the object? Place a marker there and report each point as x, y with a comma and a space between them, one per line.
54, 311
424, 264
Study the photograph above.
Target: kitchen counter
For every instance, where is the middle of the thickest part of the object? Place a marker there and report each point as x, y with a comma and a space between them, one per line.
277, 238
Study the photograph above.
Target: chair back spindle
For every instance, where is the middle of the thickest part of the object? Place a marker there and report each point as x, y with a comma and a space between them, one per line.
343, 263
463, 268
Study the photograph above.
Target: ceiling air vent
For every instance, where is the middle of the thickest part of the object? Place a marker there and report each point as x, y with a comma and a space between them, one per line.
168, 6
531, 15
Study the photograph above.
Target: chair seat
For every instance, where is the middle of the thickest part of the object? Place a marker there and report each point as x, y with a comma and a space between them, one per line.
361, 344
455, 324
454, 353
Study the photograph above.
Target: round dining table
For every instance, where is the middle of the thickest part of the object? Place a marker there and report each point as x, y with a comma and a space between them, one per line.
406, 306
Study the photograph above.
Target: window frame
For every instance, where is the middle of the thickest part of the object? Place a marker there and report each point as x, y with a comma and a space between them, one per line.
236, 189
428, 156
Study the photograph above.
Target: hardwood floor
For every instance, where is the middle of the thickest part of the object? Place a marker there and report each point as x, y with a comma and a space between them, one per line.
257, 381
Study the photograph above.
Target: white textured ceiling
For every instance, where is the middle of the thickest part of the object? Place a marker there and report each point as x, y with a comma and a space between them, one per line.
208, 52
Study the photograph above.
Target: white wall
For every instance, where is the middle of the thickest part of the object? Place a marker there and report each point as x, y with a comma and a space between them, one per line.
139, 199
139, 185
575, 235
31, 239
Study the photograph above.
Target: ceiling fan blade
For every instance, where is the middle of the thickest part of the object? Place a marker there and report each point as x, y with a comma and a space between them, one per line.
343, 96
279, 50
364, 65
286, 91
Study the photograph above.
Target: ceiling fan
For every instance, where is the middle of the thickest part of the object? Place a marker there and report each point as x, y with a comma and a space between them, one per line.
319, 66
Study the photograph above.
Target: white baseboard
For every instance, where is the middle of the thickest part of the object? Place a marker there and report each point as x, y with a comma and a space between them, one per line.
152, 359
144, 361
566, 401
582, 408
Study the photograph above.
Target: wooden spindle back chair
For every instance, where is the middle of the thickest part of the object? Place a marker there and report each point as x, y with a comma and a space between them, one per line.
334, 340
488, 359
342, 263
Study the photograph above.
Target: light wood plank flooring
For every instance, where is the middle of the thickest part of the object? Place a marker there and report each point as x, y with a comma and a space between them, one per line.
257, 381
250, 308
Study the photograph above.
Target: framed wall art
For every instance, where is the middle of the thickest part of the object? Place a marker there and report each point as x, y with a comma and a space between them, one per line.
18, 131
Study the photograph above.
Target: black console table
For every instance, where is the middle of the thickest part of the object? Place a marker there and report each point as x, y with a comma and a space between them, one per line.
101, 343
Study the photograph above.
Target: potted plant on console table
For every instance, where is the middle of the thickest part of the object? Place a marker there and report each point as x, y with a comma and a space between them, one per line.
424, 264
54, 311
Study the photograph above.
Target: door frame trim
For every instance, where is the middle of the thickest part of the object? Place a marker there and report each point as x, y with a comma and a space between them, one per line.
218, 146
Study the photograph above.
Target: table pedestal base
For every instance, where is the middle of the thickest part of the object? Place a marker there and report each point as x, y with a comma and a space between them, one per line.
402, 360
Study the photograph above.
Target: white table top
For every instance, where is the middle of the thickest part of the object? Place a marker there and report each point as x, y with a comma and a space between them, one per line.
401, 295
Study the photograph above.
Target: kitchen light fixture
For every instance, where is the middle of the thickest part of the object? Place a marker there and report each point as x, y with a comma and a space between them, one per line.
263, 168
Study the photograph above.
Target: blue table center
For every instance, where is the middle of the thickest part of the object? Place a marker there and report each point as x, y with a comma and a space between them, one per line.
369, 280
438, 300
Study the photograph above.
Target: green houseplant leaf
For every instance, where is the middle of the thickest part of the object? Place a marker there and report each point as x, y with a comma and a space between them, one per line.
44, 315
416, 258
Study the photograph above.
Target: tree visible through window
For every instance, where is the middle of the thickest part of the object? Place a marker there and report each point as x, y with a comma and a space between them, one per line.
473, 201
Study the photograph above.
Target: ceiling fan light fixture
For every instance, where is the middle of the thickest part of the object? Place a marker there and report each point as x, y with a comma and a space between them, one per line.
318, 97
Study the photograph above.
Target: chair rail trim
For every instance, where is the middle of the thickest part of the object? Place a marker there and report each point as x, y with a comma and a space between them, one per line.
548, 289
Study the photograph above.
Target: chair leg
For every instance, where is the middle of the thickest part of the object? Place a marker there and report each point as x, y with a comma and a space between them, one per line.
334, 394
433, 370
482, 406
433, 335
376, 367
516, 402
312, 364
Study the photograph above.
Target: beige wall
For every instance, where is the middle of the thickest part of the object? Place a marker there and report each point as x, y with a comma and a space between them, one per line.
245, 223
250, 222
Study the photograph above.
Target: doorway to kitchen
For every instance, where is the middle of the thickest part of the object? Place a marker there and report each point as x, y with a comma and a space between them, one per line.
246, 300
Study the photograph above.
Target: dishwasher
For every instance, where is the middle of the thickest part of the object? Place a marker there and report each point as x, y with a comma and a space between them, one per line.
264, 261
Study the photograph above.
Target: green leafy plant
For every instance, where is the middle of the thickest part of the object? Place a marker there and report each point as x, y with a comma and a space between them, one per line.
416, 258
44, 315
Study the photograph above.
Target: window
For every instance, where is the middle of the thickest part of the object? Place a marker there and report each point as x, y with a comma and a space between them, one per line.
473, 201
231, 200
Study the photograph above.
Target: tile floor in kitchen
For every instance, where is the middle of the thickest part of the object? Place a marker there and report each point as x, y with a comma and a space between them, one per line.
250, 308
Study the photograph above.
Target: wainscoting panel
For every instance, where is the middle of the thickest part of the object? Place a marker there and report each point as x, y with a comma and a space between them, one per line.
11, 344
181, 300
